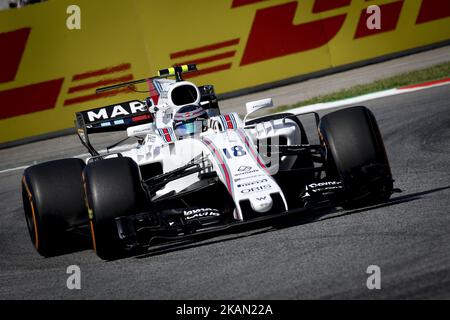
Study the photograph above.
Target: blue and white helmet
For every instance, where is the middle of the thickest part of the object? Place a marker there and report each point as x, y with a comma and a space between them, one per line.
188, 120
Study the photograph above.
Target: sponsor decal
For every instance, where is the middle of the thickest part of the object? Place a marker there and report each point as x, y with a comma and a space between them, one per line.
245, 173
324, 186
113, 111
247, 178
252, 183
200, 212
244, 170
143, 130
256, 189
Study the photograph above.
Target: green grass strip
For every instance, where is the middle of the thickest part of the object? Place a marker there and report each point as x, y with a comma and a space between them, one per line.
436, 72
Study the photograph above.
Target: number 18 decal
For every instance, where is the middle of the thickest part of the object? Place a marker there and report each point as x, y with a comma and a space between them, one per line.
236, 151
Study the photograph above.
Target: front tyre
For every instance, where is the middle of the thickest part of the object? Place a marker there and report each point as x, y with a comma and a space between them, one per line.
113, 189
356, 154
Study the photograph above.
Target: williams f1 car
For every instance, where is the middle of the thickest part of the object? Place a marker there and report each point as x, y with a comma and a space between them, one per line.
194, 170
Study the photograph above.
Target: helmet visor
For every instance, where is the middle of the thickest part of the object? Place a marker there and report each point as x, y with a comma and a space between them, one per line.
188, 128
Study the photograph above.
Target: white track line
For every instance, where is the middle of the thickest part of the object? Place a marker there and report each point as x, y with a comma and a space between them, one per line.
359, 99
81, 156
13, 169
306, 109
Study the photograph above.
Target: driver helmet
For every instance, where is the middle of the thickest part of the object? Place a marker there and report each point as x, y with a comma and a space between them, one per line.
188, 120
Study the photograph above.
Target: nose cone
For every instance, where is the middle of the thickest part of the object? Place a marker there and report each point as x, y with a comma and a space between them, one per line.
261, 203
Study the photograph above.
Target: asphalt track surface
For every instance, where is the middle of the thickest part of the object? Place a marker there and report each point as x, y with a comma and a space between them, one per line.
322, 256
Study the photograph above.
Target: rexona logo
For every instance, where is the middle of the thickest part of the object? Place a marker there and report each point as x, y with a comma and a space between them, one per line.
256, 189
113, 111
252, 183
200, 212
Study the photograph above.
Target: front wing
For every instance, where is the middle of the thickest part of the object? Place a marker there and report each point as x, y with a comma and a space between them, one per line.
137, 238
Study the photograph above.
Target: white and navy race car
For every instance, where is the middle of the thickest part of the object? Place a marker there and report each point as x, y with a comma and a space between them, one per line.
194, 171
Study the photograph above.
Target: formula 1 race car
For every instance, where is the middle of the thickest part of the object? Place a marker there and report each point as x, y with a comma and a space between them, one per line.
195, 171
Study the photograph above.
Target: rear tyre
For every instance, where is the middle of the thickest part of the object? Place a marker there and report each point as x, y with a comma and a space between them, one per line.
356, 154
113, 189
53, 202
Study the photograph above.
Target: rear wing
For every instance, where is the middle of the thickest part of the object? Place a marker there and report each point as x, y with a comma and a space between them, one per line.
111, 118
130, 113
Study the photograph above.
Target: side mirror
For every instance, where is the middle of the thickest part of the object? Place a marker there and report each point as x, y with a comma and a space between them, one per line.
139, 130
254, 106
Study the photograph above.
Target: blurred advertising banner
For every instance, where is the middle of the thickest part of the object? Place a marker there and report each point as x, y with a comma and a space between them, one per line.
49, 70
